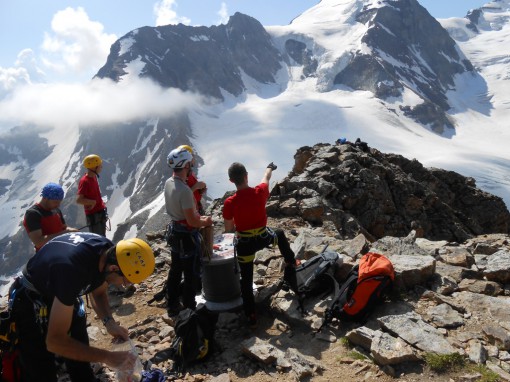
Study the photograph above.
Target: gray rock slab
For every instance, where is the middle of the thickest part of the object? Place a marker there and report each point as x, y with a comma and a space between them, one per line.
444, 316
221, 378
260, 350
497, 307
444, 285
416, 332
412, 270
497, 335
498, 370
477, 352
361, 336
457, 256
498, 267
300, 365
388, 350
490, 288
396, 246
431, 247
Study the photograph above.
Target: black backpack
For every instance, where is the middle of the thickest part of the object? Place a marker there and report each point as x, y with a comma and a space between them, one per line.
317, 275
314, 277
194, 332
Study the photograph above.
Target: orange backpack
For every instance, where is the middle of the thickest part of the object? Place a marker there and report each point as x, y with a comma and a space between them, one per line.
364, 287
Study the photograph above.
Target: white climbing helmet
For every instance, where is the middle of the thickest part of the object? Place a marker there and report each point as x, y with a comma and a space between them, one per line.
178, 158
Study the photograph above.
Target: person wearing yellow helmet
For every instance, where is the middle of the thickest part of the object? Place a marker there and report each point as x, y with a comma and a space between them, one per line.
197, 186
67, 267
89, 195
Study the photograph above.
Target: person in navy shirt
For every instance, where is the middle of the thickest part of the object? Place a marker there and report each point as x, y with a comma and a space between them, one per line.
46, 304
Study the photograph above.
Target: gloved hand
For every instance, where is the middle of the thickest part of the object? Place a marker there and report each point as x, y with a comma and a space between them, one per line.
272, 166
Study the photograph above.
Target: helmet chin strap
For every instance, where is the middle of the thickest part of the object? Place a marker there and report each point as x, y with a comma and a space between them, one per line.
94, 171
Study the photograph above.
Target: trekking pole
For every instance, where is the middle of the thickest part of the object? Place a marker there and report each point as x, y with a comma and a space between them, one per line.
85, 226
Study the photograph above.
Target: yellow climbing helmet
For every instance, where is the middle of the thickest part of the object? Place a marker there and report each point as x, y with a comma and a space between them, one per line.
187, 148
92, 161
135, 259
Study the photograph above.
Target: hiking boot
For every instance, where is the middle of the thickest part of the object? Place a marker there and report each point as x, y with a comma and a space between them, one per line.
174, 309
290, 278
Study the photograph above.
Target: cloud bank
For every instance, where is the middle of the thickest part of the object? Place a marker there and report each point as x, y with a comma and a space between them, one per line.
100, 102
74, 49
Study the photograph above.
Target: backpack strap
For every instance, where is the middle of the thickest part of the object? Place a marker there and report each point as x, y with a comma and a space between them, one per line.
341, 297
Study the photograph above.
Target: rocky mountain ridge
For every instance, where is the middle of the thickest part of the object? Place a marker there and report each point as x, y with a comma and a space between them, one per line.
404, 48
229, 62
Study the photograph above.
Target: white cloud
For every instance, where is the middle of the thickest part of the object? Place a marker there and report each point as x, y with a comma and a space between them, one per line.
24, 71
223, 13
12, 77
99, 102
26, 59
166, 14
76, 43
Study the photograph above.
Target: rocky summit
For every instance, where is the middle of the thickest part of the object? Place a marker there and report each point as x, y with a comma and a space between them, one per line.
450, 247
377, 194
447, 240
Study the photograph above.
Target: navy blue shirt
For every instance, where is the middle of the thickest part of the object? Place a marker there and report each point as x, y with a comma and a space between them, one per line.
68, 266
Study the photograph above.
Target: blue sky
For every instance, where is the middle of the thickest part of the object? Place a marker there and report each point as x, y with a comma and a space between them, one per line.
66, 40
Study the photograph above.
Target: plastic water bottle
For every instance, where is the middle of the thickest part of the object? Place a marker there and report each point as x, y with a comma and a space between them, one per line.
129, 374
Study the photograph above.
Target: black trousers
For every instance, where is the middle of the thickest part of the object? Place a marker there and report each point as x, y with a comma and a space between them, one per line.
37, 363
97, 222
186, 255
246, 247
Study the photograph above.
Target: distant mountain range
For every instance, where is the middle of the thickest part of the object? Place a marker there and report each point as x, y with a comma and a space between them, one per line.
383, 70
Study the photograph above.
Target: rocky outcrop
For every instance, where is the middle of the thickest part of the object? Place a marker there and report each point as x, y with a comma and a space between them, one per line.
408, 34
199, 59
381, 195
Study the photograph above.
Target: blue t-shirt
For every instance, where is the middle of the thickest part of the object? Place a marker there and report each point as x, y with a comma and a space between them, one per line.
68, 266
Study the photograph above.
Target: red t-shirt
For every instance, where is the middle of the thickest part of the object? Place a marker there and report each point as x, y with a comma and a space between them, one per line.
191, 181
247, 207
48, 221
89, 188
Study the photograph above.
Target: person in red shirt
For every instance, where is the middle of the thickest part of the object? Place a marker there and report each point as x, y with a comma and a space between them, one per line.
89, 195
197, 186
44, 220
245, 214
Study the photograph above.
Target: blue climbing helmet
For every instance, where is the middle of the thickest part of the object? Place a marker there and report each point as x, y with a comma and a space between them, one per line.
52, 191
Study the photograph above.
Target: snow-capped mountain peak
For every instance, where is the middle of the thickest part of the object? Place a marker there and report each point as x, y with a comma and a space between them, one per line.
385, 71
